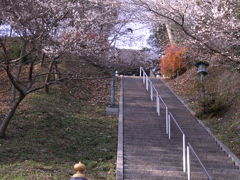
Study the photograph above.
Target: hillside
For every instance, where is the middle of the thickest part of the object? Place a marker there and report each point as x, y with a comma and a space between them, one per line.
51, 132
221, 112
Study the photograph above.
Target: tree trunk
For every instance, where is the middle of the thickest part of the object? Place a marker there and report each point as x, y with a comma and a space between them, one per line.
22, 53
43, 59
170, 34
48, 77
56, 71
14, 94
9, 115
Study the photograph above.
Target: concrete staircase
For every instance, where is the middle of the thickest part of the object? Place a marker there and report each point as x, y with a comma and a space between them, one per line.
148, 154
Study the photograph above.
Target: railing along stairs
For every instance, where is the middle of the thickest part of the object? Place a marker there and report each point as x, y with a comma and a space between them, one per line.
186, 147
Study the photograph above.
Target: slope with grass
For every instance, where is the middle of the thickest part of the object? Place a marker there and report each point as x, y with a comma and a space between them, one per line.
51, 132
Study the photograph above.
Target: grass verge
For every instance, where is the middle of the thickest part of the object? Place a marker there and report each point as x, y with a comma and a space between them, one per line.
51, 133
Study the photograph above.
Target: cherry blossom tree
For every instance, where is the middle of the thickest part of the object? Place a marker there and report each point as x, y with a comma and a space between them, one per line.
49, 28
209, 27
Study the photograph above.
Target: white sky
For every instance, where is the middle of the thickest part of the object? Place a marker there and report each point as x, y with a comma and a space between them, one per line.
4, 30
136, 39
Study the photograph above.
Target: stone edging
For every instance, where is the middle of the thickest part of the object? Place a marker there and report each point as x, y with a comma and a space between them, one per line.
119, 168
222, 146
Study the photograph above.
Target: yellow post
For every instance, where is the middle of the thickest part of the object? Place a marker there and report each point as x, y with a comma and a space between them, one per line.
79, 168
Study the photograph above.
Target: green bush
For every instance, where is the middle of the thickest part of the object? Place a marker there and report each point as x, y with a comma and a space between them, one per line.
222, 87
212, 106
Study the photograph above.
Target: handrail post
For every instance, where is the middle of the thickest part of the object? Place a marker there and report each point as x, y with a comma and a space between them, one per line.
188, 164
184, 153
166, 120
151, 90
147, 83
143, 78
169, 126
158, 104
140, 72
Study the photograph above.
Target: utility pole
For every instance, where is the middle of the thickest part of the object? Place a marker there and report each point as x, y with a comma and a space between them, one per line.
113, 89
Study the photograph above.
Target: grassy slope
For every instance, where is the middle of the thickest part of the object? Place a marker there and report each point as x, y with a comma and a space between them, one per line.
226, 125
46, 139
51, 132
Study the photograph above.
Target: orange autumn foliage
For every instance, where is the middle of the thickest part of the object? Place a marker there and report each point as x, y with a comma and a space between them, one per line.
172, 62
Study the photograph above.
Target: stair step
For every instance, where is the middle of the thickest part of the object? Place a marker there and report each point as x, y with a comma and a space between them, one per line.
153, 166
161, 174
133, 173
175, 162
150, 155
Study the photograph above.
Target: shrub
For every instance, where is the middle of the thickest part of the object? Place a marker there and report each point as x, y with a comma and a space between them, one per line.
172, 63
222, 87
212, 106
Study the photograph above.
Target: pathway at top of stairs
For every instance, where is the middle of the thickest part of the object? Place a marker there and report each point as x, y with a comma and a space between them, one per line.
148, 154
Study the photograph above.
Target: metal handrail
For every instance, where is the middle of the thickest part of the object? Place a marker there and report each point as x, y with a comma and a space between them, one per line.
157, 101
189, 147
166, 109
146, 81
183, 138
169, 115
